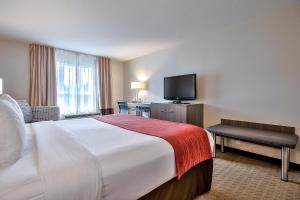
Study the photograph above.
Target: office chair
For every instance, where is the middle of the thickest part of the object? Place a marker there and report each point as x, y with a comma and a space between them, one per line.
123, 107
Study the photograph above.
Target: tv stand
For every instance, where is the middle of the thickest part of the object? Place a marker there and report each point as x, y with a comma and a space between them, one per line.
177, 102
184, 113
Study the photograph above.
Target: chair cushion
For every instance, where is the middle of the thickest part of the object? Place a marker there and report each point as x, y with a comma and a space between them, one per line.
45, 113
270, 138
26, 110
12, 133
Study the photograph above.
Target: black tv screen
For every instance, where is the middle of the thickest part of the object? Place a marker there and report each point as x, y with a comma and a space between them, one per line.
180, 87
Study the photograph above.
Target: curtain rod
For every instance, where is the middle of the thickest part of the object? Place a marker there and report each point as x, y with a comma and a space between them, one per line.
81, 52
70, 50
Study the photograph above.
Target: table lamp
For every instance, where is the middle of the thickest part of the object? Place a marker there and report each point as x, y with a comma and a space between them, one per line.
136, 86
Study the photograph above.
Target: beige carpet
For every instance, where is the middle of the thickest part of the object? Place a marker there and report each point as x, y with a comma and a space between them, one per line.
239, 177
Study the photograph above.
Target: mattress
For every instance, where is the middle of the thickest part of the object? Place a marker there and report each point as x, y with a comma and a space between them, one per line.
132, 164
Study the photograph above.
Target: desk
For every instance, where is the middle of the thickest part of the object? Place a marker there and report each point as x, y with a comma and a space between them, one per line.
140, 109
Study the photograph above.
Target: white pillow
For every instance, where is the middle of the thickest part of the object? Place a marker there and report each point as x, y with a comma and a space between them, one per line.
12, 133
14, 103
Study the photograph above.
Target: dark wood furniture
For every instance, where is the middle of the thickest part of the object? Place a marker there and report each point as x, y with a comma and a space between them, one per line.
193, 183
283, 137
184, 113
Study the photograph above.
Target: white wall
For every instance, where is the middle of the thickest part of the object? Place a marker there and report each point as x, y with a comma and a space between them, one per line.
14, 69
248, 71
14, 61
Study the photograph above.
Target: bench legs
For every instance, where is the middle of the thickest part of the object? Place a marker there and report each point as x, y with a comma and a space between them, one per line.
285, 159
222, 144
288, 165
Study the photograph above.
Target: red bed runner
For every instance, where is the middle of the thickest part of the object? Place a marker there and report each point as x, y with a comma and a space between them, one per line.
190, 143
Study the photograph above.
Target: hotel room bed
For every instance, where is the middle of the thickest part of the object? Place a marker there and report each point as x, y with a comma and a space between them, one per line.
129, 165
21, 180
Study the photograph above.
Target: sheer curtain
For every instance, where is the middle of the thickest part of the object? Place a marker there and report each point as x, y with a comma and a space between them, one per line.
77, 82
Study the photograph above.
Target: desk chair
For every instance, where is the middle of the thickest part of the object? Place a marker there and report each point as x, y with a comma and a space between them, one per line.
123, 107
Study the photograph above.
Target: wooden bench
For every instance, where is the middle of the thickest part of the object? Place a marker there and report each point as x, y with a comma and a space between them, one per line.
283, 137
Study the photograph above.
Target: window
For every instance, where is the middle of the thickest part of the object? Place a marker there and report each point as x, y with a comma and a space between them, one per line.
77, 82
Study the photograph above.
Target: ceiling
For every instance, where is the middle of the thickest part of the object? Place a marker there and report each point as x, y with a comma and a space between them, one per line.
123, 29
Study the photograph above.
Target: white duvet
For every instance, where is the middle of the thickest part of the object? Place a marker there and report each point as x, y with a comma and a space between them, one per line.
87, 159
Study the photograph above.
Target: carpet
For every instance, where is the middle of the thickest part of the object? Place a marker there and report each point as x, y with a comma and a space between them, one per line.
239, 177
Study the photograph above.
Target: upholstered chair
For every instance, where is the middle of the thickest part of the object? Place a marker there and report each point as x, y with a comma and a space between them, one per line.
38, 113
123, 107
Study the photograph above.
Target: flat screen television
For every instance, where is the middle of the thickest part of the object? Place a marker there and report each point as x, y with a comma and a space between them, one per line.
180, 88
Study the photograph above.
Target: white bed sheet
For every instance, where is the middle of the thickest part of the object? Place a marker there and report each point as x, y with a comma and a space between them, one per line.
132, 164
21, 180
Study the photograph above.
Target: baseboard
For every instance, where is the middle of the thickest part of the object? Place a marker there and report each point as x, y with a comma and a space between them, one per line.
276, 161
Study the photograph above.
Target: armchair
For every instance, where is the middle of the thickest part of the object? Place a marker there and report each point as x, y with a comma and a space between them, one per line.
38, 113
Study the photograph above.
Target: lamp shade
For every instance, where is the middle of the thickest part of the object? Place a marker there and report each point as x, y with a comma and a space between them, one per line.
136, 85
1, 86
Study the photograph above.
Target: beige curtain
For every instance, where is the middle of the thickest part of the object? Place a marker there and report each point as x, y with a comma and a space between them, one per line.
105, 86
42, 86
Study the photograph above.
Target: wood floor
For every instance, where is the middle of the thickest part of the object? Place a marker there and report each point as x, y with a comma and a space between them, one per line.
238, 177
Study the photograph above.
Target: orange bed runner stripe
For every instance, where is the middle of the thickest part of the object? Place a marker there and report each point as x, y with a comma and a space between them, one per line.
190, 143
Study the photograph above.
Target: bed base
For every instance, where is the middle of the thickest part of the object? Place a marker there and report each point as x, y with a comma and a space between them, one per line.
192, 184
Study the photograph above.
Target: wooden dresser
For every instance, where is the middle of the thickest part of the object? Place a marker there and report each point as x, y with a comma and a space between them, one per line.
185, 113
